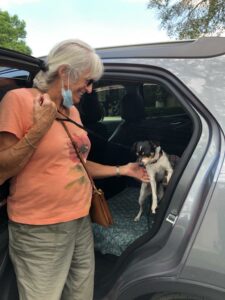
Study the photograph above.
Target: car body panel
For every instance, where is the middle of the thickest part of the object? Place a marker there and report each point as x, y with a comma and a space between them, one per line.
206, 260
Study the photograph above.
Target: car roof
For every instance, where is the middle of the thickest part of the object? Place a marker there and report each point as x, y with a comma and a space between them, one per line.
201, 48
16, 54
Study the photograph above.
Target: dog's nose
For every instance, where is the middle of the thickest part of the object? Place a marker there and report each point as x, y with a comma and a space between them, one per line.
144, 161
139, 160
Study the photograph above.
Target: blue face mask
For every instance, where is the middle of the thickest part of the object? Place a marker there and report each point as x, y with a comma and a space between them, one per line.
67, 98
67, 94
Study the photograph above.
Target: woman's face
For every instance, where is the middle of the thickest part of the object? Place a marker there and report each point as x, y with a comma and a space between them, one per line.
83, 85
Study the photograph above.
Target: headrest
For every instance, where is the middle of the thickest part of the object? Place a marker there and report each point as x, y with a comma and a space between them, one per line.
90, 108
132, 105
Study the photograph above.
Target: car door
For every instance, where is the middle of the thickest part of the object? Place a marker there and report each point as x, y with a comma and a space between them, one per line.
158, 265
16, 70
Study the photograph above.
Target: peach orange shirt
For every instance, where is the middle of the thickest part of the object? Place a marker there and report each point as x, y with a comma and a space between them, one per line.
53, 187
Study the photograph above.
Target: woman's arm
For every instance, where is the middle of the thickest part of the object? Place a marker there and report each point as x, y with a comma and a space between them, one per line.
15, 153
131, 169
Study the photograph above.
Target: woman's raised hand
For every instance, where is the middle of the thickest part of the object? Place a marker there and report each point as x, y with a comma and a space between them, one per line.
44, 112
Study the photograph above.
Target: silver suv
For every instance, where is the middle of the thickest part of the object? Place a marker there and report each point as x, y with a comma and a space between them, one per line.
173, 93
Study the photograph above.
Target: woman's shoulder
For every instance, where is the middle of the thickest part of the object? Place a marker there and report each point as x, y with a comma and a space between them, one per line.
16, 111
21, 93
24, 92
19, 99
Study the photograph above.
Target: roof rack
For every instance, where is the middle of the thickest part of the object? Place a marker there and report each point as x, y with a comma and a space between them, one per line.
202, 48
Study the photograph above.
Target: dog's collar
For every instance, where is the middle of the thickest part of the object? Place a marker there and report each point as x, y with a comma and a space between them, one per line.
156, 159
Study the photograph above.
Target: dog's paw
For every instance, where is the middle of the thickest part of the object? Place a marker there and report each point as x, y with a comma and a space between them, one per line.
137, 218
153, 209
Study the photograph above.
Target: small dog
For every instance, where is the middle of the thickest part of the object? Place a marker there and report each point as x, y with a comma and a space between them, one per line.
159, 169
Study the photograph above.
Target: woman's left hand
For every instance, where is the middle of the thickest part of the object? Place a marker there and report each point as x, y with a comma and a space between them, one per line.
136, 171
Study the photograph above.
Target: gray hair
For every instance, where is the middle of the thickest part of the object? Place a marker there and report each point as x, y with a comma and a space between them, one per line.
77, 55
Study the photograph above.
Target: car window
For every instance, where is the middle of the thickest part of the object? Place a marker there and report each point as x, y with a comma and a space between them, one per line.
11, 78
7, 72
136, 102
110, 98
159, 101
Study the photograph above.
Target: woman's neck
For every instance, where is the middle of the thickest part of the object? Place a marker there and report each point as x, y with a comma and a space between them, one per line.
55, 95
54, 92
64, 110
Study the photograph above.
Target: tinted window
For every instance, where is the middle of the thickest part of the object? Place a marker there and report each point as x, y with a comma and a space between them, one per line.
11, 78
159, 101
110, 98
6, 72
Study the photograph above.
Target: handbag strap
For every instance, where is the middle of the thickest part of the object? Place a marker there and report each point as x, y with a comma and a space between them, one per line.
89, 131
78, 154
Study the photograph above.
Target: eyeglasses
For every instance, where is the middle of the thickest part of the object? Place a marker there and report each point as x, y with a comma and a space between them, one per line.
89, 82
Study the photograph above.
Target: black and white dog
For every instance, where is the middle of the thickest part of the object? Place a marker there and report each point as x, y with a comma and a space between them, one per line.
159, 169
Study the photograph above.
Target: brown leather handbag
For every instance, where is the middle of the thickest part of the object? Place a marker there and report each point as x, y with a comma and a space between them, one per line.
99, 211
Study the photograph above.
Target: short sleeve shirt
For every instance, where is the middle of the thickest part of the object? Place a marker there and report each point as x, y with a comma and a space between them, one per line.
53, 187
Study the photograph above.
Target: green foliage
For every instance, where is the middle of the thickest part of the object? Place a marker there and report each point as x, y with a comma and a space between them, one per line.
190, 18
13, 33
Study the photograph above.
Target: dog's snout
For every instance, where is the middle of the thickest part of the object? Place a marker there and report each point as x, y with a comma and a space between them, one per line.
139, 160
144, 161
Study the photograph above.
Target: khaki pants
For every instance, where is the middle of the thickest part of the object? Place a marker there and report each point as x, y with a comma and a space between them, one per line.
53, 262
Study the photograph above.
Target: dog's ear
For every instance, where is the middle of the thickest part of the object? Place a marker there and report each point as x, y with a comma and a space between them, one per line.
134, 148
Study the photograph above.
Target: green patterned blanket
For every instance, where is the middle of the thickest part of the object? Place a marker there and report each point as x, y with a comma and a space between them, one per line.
124, 207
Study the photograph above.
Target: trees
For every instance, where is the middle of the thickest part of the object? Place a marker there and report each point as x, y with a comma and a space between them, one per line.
13, 33
190, 18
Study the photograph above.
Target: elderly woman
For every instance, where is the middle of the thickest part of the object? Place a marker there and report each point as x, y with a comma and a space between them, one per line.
50, 234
